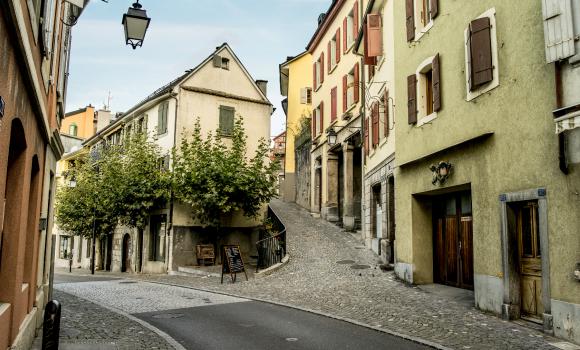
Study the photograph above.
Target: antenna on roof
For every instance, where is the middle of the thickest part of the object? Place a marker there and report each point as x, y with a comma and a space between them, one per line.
107, 105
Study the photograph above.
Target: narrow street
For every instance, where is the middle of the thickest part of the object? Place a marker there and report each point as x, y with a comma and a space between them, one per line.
329, 272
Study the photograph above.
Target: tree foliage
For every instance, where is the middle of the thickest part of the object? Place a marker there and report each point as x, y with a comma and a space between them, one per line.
216, 179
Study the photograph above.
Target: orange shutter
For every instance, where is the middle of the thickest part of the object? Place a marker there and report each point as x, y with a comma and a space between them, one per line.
355, 22
374, 35
338, 45
344, 93
375, 116
322, 68
314, 76
321, 116
313, 124
436, 83
356, 83
386, 115
344, 33
329, 56
333, 104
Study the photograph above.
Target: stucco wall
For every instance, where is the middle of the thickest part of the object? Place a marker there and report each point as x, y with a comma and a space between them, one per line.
83, 121
302, 175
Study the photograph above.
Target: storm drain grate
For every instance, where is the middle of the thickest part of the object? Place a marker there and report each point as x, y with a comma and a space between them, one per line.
127, 282
359, 267
345, 262
167, 316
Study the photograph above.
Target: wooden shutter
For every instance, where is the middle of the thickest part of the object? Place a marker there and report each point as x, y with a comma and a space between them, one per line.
313, 124
322, 68
337, 45
480, 52
344, 93
161, 119
368, 60
333, 104
374, 35
386, 115
329, 63
321, 116
303, 96
375, 118
356, 83
558, 29
226, 120
344, 34
217, 61
412, 98
314, 78
366, 136
355, 20
434, 5
409, 9
436, 74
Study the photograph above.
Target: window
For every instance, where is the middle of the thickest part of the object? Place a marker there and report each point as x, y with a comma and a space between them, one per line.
129, 130
226, 121
89, 248
424, 94
141, 125
157, 238
333, 104
317, 120
318, 72
348, 31
419, 17
162, 111
350, 86
221, 62
334, 51
385, 113
481, 59
72, 129
306, 95
64, 248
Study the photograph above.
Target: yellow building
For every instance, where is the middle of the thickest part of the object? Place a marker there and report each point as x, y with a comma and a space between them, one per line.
296, 85
79, 123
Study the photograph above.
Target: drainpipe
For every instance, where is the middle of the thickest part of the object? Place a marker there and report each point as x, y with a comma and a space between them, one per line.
559, 104
171, 199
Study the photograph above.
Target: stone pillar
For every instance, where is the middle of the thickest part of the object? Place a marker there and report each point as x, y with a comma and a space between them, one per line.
348, 187
330, 210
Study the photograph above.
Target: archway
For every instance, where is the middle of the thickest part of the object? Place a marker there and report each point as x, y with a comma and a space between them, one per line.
126, 254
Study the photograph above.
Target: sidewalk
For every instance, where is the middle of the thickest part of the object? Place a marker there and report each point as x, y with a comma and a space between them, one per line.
330, 272
88, 326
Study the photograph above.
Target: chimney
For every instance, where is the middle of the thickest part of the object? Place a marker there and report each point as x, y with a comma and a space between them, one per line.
263, 85
103, 119
321, 18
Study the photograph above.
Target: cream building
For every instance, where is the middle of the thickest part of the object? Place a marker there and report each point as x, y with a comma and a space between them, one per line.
215, 91
337, 103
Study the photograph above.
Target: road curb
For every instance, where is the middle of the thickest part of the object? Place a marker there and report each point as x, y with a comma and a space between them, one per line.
340, 318
145, 324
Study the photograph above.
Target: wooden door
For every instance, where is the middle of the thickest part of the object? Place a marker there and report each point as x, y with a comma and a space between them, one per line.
126, 256
530, 261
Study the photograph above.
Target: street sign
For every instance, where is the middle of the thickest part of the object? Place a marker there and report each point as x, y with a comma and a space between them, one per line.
232, 262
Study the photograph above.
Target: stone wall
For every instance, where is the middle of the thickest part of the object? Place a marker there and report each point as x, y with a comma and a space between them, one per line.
302, 175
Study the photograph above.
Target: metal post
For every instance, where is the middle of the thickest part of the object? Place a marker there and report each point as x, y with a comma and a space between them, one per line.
93, 243
51, 326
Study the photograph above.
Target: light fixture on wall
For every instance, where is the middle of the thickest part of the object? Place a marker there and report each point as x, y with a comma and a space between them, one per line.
331, 136
136, 23
441, 172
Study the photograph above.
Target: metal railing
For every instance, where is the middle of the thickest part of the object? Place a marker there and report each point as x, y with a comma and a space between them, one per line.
271, 247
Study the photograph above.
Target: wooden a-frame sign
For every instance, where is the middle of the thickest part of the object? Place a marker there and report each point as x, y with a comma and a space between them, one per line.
232, 262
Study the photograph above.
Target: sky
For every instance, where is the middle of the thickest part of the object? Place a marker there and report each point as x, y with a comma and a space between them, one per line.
182, 33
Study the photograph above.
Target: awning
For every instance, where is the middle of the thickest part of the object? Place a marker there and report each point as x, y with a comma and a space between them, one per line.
567, 122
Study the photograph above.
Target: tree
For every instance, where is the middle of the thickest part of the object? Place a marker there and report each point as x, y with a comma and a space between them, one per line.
217, 180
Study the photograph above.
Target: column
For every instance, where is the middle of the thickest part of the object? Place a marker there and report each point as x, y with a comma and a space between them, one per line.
330, 210
348, 218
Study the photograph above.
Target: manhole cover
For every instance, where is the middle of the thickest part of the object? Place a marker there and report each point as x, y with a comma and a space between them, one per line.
345, 262
164, 316
359, 247
127, 282
359, 267
291, 339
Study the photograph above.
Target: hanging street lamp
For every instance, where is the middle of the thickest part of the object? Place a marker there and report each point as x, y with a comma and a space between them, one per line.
136, 23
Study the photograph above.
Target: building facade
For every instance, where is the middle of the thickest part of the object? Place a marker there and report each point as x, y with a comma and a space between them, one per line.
482, 202
337, 110
216, 91
296, 85
33, 68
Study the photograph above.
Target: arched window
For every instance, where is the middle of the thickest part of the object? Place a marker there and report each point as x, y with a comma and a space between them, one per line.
72, 129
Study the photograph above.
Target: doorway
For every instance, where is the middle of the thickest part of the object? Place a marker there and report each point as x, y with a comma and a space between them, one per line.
126, 254
453, 240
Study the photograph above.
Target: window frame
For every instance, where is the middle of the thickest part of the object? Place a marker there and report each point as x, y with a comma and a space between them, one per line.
350, 86
156, 245
422, 90
64, 241
350, 30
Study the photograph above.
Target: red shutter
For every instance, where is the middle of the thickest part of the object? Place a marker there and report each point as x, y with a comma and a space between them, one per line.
412, 98
355, 20
386, 115
321, 116
410, 20
313, 124
314, 80
333, 104
480, 52
436, 72
367, 136
338, 45
344, 93
356, 83
322, 68
375, 116
328, 63
434, 5
344, 33
369, 61
374, 35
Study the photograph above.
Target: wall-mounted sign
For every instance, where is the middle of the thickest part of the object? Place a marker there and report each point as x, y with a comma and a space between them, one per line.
441, 172
1, 107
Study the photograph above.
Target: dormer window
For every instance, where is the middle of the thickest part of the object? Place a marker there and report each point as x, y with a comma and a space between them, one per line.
221, 62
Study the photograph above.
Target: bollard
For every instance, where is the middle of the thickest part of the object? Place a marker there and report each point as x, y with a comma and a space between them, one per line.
51, 326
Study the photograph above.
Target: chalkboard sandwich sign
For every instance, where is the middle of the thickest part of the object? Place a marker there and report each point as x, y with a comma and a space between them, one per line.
232, 262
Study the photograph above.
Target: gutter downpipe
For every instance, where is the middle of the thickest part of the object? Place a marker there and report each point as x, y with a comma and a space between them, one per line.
563, 163
172, 198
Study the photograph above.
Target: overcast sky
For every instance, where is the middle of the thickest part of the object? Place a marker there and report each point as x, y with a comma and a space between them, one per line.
181, 34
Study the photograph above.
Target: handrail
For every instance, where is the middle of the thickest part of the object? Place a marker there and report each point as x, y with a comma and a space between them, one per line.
272, 249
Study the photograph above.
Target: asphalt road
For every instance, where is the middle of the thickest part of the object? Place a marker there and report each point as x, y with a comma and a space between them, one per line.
203, 320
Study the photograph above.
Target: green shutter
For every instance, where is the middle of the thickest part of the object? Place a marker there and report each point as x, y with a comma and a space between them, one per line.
226, 125
162, 118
